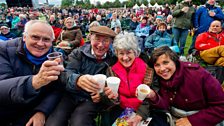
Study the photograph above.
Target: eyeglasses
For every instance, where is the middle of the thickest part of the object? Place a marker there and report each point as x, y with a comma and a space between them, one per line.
38, 38
105, 41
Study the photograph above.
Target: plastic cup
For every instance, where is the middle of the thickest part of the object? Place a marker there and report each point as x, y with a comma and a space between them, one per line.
143, 90
57, 56
101, 79
113, 83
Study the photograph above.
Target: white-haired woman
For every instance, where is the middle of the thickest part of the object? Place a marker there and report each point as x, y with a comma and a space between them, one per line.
132, 71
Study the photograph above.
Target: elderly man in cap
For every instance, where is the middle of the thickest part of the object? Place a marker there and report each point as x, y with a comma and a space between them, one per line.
5, 32
81, 101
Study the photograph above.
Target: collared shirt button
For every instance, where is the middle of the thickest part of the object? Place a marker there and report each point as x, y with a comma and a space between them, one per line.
186, 100
189, 64
171, 99
175, 92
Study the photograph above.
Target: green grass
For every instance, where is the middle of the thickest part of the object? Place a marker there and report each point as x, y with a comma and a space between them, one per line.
188, 44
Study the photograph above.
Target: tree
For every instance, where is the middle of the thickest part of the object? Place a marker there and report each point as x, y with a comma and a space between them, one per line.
152, 2
117, 3
145, 2
66, 3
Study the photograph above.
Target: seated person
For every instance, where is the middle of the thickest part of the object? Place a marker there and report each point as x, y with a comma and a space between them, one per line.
143, 28
132, 71
118, 29
142, 31
80, 103
70, 36
189, 92
5, 32
27, 79
160, 38
211, 44
134, 23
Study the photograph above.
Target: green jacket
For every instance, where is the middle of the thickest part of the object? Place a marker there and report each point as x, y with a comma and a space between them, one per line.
181, 19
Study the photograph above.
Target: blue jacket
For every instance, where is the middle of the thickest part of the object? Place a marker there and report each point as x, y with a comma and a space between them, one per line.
158, 39
17, 96
202, 19
142, 31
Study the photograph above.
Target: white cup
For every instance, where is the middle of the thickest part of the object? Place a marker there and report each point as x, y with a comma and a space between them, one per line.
57, 56
113, 83
143, 90
101, 79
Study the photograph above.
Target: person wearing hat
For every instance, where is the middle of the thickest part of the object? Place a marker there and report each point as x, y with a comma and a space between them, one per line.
5, 32
81, 101
159, 38
142, 31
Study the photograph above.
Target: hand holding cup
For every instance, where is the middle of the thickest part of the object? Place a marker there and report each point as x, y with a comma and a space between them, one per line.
113, 83
142, 91
88, 83
211, 13
49, 71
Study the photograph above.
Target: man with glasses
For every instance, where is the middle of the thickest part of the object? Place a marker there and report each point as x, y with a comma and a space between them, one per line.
79, 105
27, 79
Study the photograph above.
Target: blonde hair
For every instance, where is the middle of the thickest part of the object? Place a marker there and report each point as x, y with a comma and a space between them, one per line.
69, 18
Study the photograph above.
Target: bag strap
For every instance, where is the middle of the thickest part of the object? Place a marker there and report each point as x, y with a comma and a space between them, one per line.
148, 78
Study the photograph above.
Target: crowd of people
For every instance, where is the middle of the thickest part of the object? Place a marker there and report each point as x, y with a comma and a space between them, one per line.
138, 47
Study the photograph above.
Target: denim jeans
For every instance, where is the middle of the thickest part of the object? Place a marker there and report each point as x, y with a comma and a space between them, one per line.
180, 36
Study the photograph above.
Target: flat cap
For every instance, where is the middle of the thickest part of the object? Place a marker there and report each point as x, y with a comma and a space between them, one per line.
103, 30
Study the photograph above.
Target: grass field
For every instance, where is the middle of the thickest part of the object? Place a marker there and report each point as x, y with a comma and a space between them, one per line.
188, 44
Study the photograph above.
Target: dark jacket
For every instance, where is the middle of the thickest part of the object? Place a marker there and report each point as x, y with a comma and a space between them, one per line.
81, 62
193, 88
17, 96
181, 19
72, 35
9, 36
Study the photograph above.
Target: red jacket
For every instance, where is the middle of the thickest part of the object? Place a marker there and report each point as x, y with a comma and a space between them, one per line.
193, 88
129, 82
209, 40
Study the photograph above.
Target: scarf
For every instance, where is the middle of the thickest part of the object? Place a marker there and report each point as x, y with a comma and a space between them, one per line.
142, 25
36, 60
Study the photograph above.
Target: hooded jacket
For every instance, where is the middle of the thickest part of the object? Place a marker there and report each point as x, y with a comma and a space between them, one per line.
158, 39
192, 88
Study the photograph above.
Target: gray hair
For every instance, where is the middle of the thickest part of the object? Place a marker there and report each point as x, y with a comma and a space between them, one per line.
32, 22
126, 41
